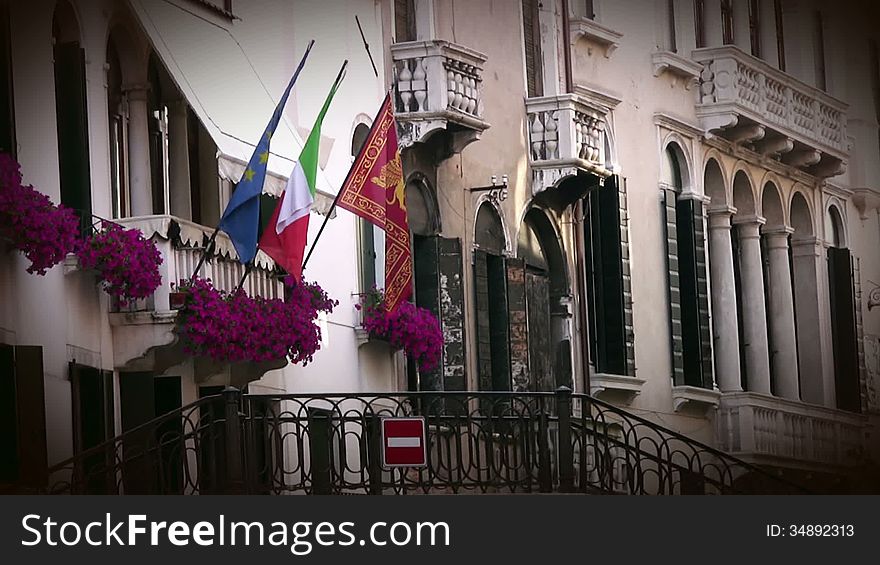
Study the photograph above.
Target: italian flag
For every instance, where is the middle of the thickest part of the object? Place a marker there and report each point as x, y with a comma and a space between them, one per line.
284, 238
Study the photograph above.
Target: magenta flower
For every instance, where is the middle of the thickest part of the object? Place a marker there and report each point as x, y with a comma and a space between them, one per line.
410, 328
44, 232
233, 327
127, 263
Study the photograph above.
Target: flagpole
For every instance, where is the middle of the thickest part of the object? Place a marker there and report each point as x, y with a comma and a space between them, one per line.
336, 83
351, 169
213, 237
338, 194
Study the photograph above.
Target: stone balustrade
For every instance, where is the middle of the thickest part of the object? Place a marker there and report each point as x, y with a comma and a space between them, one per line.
747, 101
773, 430
438, 85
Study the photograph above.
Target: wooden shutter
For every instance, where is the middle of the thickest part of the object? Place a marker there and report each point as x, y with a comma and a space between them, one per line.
8, 417
843, 329
404, 21
499, 337
426, 264
626, 277
538, 315
367, 251
484, 351
609, 290
30, 399
675, 328
72, 122
532, 48
518, 324
694, 299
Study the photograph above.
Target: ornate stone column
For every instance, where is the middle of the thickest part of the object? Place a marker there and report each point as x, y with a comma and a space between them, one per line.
754, 313
140, 182
723, 290
783, 358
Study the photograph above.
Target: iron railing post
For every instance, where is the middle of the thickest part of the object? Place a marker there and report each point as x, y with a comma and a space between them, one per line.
374, 453
545, 475
234, 468
564, 449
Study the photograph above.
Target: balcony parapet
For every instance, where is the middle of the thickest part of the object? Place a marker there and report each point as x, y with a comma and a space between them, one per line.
147, 324
747, 101
770, 430
566, 136
439, 88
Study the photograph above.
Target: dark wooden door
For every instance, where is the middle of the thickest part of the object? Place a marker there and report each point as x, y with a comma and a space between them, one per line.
92, 391
538, 313
23, 457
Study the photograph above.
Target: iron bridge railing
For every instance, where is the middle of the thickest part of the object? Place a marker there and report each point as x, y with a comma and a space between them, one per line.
477, 442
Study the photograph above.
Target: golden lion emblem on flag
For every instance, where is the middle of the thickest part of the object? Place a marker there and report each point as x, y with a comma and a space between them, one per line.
391, 175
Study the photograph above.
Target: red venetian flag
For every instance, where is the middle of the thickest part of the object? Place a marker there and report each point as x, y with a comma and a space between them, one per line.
374, 190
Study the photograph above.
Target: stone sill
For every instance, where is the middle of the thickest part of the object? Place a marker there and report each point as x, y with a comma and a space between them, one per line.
449, 115
597, 33
618, 389
676, 65
694, 400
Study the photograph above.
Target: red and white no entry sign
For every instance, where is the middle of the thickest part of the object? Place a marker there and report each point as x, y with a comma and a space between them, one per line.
403, 442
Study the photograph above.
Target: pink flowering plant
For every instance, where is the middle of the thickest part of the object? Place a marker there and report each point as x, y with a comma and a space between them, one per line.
414, 330
233, 327
44, 232
126, 262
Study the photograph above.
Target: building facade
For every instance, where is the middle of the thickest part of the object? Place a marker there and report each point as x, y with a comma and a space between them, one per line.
671, 205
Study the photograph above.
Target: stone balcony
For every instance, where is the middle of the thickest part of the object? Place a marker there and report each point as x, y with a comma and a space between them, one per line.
143, 331
774, 431
439, 90
747, 101
566, 136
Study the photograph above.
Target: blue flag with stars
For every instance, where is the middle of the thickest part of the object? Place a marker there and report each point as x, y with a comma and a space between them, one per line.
241, 219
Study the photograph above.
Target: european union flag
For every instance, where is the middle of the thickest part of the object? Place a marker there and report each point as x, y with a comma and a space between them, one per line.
241, 219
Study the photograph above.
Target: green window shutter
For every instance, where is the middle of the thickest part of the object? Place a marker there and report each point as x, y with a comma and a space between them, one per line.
609, 291
72, 123
626, 274
532, 47
673, 279
498, 322
702, 288
518, 324
367, 250
484, 352
404, 21
843, 329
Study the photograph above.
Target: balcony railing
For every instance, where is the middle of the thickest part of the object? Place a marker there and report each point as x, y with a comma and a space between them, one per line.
748, 101
439, 88
566, 135
771, 430
182, 244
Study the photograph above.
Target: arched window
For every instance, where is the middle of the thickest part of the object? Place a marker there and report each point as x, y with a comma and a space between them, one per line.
686, 263
71, 115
